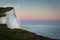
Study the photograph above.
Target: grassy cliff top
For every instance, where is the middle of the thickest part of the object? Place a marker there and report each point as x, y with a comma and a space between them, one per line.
4, 9
18, 34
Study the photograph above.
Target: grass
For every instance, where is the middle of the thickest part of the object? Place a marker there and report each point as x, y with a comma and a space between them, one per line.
19, 34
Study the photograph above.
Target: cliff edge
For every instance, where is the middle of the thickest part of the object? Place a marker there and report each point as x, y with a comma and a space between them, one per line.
19, 34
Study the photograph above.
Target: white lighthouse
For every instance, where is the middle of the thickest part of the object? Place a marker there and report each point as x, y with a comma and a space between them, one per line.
10, 19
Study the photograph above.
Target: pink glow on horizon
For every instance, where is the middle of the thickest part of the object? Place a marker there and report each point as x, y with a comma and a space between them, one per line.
51, 18
52, 15
48, 18
43, 19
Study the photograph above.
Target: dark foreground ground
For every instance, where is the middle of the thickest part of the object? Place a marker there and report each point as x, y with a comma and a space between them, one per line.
19, 34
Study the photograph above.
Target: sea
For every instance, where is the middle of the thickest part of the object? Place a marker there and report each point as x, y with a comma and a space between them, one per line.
46, 29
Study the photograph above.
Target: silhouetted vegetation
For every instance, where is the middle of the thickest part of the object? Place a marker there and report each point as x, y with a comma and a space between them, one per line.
3, 10
18, 34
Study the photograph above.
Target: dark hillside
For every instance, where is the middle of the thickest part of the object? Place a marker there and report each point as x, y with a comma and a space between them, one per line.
3, 10
18, 34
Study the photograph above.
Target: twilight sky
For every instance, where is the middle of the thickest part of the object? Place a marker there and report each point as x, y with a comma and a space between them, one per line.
34, 9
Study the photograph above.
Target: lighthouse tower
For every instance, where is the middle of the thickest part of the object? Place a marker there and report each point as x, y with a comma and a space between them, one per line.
7, 16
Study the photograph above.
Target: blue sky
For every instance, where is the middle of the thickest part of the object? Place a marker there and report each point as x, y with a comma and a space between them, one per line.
35, 9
